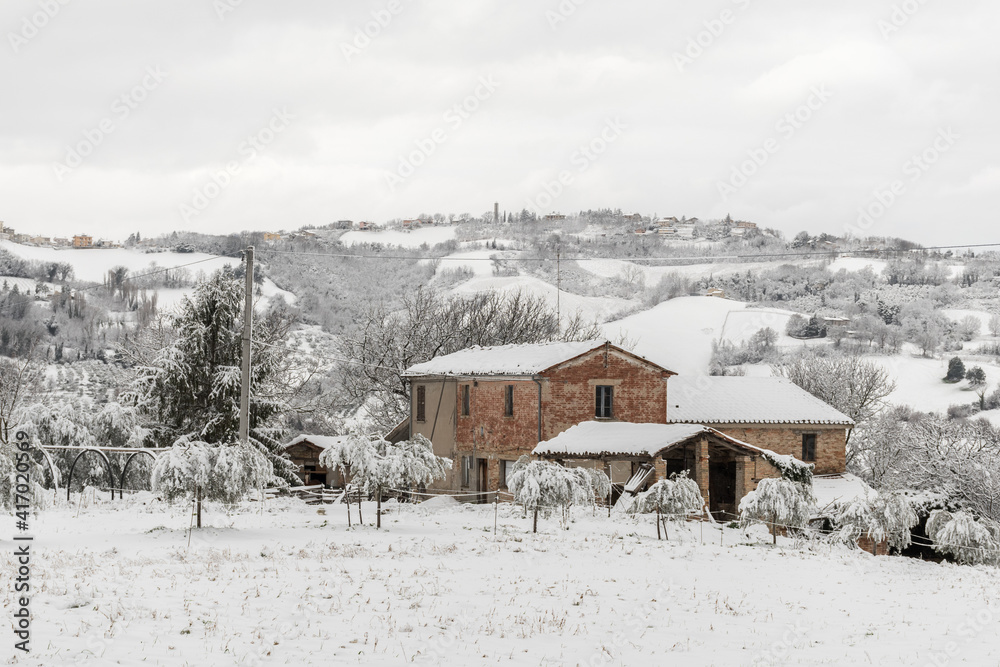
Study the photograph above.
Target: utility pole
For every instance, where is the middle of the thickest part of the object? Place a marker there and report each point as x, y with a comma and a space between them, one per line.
247, 338
558, 289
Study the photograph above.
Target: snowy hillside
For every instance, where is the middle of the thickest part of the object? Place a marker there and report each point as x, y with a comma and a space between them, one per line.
92, 265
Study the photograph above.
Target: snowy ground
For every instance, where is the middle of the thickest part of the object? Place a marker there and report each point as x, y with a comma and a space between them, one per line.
91, 265
118, 584
678, 334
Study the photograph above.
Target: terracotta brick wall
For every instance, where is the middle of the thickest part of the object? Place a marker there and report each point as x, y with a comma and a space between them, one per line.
831, 445
569, 393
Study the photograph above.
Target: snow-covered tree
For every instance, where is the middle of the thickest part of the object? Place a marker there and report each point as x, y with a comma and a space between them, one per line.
538, 484
887, 516
198, 470
777, 502
961, 536
191, 388
671, 499
377, 465
856, 386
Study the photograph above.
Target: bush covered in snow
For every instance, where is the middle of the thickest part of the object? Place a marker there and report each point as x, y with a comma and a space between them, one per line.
671, 499
540, 484
962, 537
777, 503
376, 465
224, 473
881, 517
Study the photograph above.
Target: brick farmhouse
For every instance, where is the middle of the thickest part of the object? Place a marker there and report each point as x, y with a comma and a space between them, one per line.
572, 402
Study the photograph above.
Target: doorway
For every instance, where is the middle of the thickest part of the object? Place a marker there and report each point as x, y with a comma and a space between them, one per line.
482, 479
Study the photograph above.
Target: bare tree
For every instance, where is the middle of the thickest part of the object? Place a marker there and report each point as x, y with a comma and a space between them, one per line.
429, 325
853, 385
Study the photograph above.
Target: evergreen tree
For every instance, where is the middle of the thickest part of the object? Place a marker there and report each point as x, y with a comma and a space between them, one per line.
956, 370
191, 389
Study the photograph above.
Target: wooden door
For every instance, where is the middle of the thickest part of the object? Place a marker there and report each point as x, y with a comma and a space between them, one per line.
481, 476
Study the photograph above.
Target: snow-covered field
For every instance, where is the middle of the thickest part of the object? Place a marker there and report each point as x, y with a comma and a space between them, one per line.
590, 307
678, 333
92, 265
118, 584
408, 239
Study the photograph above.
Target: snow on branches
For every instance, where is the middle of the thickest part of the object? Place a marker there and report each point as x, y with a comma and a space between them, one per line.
377, 465
539, 484
777, 502
224, 473
882, 517
961, 536
671, 499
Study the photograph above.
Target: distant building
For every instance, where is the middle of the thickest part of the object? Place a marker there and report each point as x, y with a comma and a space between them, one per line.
364, 226
83, 241
743, 224
635, 217
555, 216
61, 241
41, 240
271, 236
716, 292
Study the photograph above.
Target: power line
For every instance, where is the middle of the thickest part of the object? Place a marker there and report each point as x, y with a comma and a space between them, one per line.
314, 355
163, 270
584, 258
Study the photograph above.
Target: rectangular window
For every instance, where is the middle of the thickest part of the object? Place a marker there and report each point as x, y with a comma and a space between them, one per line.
508, 401
421, 403
465, 400
809, 447
505, 468
605, 396
466, 470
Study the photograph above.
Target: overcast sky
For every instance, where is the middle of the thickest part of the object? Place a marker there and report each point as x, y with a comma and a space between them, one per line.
122, 115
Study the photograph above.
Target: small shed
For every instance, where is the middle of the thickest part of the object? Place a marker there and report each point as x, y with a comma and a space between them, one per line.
304, 452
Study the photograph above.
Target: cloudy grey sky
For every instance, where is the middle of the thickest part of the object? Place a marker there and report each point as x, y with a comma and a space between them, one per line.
868, 116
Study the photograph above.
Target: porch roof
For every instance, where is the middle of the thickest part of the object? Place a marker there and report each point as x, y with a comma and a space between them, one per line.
600, 440
321, 441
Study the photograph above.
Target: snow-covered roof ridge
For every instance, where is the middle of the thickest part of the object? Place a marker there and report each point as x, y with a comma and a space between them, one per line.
324, 441
518, 360
602, 439
746, 400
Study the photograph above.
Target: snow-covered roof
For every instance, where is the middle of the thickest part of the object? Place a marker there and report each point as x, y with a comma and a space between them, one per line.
323, 441
504, 359
598, 439
746, 400
834, 490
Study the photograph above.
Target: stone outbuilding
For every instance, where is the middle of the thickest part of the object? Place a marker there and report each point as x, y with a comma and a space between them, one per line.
724, 468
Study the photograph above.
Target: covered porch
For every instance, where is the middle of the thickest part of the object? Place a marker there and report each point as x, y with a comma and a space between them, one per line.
723, 467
